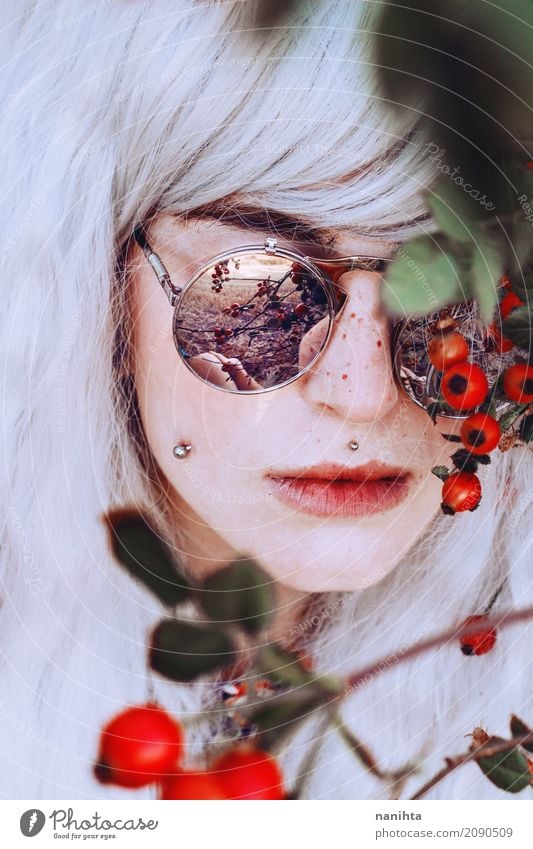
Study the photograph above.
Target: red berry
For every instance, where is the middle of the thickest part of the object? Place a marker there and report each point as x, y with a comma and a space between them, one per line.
446, 349
192, 785
138, 746
509, 302
300, 310
464, 386
235, 306
500, 343
460, 492
518, 383
477, 642
247, 773
480, 433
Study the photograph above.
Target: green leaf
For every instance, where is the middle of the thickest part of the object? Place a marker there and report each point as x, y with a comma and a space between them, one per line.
280, 715
441, 472
507, 770
242, 593
422, 278
487, 267
518, 327
520, 729
449, 209
182, 651
526, 429
146, 557
284, 668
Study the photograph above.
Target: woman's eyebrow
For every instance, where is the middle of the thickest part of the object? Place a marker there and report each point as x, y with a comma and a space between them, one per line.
267, 220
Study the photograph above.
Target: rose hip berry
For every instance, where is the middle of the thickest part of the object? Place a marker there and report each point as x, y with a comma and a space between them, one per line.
138, 746
480, 433
446, 349
518, 383
248, 773
192, 785
460, 491
509, 302
464, 386
477, 642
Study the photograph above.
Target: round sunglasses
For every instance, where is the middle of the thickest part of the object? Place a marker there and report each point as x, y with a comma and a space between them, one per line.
258, 317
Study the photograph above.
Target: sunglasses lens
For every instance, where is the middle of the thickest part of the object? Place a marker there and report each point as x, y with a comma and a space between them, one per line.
252, 321
415, 372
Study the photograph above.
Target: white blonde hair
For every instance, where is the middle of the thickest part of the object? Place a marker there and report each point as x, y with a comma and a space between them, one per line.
113, 109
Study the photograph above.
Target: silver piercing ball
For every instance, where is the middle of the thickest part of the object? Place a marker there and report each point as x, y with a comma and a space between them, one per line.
353, 445
180, 451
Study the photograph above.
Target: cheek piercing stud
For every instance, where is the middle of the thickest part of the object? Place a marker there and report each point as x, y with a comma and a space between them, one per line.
182, 450
353, 445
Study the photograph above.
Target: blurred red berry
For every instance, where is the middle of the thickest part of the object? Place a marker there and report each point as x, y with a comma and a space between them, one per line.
192, 785
518, 383
509, 302
477, 642
249, 773
138, 746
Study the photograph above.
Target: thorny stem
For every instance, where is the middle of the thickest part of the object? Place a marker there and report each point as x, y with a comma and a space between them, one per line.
474, 755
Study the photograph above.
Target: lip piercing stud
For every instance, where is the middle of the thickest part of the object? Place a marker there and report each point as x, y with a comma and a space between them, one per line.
353, 445
180, 451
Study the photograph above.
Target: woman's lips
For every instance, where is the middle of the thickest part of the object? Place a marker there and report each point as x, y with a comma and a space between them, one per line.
336, 491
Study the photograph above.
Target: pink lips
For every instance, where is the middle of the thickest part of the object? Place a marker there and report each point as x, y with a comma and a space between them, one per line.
334, 490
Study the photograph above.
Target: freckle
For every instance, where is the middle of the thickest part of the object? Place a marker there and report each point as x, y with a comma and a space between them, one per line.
379, 343
344, 376
344, 335
328, 373
352, 315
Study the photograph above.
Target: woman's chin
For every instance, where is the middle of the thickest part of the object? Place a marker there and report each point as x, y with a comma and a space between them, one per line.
329, 573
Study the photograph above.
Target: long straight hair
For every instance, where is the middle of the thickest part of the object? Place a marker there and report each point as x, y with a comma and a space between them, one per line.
109, 111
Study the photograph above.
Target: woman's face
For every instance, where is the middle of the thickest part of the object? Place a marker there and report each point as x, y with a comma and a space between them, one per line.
273, 475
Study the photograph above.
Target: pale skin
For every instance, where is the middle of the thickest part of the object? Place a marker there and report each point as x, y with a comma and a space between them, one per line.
221, 494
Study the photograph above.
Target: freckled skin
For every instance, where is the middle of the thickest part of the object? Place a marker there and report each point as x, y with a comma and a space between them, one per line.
220, 491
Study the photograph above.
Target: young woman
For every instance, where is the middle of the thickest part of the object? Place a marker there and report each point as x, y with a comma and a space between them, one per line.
177, 130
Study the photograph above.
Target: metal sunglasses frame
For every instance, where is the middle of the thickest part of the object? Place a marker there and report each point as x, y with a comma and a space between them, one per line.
327, 272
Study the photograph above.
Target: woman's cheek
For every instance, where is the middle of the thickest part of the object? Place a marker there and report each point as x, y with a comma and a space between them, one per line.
312, 342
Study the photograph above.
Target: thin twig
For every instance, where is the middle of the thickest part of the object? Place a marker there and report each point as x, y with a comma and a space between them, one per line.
500, 621
474, 755
366, 758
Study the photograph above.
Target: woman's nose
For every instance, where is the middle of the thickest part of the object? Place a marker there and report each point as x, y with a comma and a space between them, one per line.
353, 376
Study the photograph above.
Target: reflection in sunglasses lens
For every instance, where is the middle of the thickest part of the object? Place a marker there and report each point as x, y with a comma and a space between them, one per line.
251, 321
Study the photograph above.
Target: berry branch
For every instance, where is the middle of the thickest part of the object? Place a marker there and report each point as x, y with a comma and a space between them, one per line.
144, 745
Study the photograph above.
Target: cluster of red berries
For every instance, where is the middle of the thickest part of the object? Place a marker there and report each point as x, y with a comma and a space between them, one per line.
221, 334
464, 387
144, 745
220, 275
264, 288
234, 310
